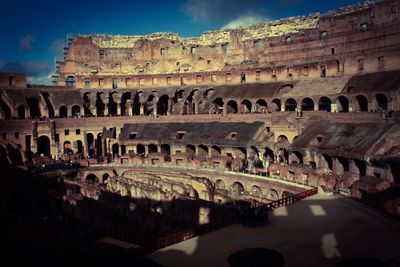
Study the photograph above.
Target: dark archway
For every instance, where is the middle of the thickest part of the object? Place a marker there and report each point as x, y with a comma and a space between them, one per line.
153, 148
218, 105
79, 147
34, 109
21, 112
76, 111
162, 105
67, 148
191, 149
140, 149
324, 103
276, 105
290, 104
90, 143
342, 104
43, 145
219, 184
246, 106
115, 150
6, 109
112, 104
100, 106
70, 81
231, 107
307, 104
361, 103
166, 149
125, 97
382, 102
63, 112
262, 106
91, 178
237, 189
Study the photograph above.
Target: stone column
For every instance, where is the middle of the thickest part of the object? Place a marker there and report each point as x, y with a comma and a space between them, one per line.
85, 145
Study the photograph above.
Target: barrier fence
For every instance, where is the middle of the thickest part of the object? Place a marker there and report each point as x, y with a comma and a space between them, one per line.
187, 234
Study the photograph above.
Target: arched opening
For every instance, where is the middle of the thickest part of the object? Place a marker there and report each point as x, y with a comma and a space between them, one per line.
137, 104
219, 184
283, 155
246, 106
90, 143
344, 164
87, 104
324, 103
76, 111
272, 194
43, 146
382, 102
262, 106
231, 107
162, 105
342, 104
70, 81
241, 152
361, 103
67, 148
105, 177
153, 148
6, 109
115, 150
362, 167
290, 104
218, 105
282, 139
21, 112
190, 149
150, 103
256, 191
269, 155
140, 149
297, 157
124, 108
79, 147
307, 104
99, 144
166, 150
215, 151
91, 178
237, 189
63, 112
113, 104
203, 150
276, 105
34, 109
327, 162
100, 106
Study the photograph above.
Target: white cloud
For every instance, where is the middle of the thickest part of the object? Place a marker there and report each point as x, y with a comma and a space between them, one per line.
244, 21
43, 79
26, 43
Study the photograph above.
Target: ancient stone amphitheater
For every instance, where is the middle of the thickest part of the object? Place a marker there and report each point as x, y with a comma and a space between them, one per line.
253, 114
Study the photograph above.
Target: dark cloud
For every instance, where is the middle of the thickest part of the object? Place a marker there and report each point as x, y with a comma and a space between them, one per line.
26, 43
32, 68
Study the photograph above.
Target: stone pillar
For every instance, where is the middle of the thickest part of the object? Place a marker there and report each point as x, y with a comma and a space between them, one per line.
85, 145
141, 109
283, 107
106, 110
118, 109
146, 149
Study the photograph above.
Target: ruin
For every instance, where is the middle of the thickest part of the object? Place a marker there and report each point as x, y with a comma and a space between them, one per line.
256, 114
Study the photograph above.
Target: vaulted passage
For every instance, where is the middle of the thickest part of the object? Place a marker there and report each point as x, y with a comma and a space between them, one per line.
43, 145
290, 104
324, 104
382, 102
63, 112
307, 104
34, 110
361, 103
162, 105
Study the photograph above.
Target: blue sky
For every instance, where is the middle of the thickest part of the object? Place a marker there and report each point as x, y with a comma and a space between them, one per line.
33, 32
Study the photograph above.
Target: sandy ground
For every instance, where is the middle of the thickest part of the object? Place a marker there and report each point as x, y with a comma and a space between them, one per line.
317, 231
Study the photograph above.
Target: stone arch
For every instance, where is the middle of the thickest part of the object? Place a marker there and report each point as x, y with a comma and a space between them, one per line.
43, 145
90, 144
326, 162
137, 103
241, 152
296, 157
140, 149
307, 104
21, 112
153, 148
6, 109
276, 105
256, 191
283, 155
63, 111
67, 148
203, 150
49, 104
166, 149
237, 189
113, 103
290, 104
76, 111
70, 81
382, 102
361, 103
219, 184
272, 194
151, 104
162, 105
125, 97
215, 151
269, 154
115, 150
105, 177
79, 146
87, 105
99, 144
218, 105
231, 107
191, 149
261, 106
100, 104
362, 167
282, 138
342, 103
324, 103
246, 106
34, 109
91, 178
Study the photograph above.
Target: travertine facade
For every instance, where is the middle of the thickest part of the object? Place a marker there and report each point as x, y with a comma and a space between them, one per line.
315, 100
